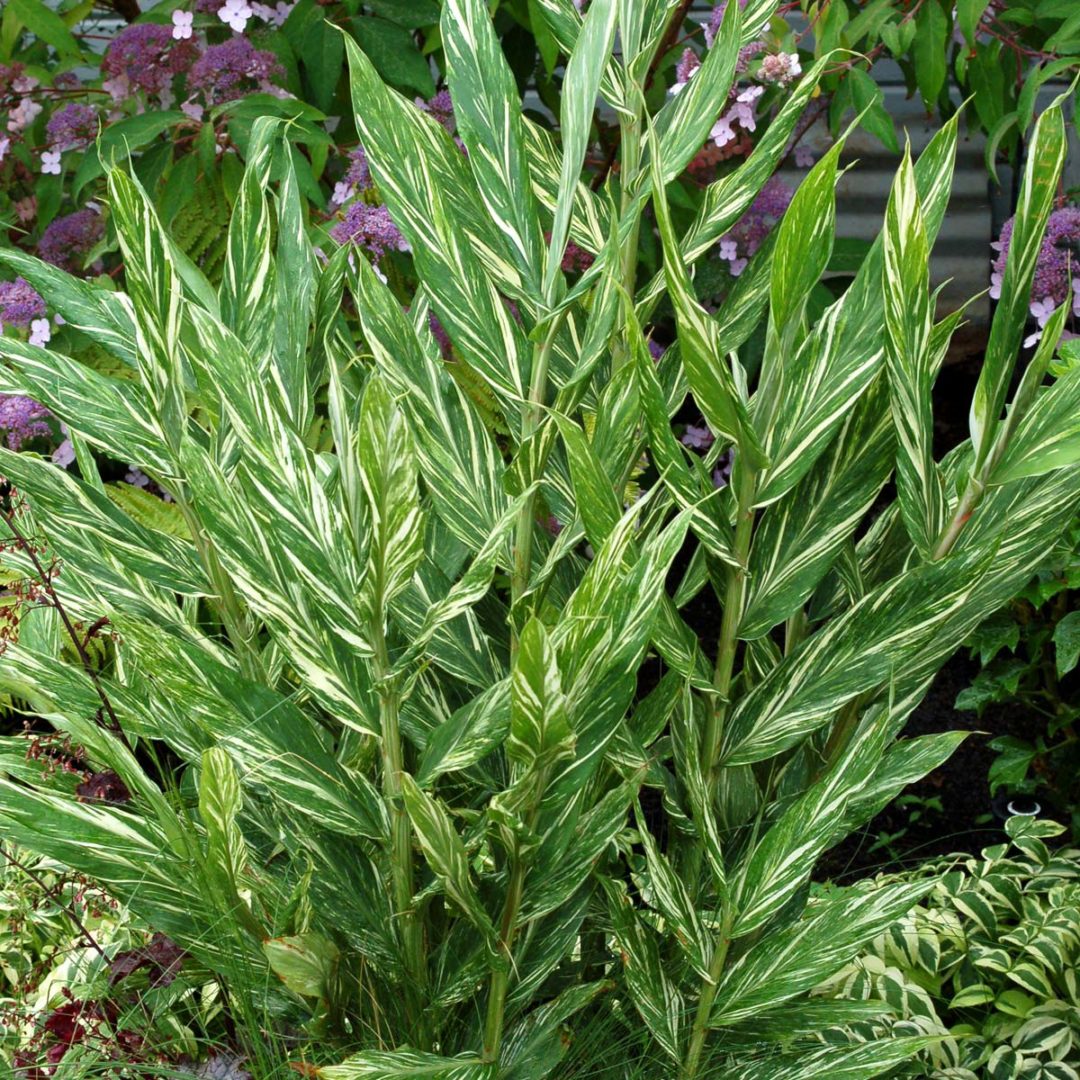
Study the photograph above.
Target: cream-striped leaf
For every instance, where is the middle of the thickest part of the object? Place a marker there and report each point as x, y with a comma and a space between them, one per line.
910, 362
488, 115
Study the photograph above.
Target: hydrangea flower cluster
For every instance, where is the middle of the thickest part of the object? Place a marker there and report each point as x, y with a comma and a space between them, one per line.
68, 239
20, 303
749, 232
1057, 269
146, 58
441, 108
235, 67
73, 127
370, 227
357, 178
22, 420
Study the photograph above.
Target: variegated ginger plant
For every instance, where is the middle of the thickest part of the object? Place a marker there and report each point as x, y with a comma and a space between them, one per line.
407, 740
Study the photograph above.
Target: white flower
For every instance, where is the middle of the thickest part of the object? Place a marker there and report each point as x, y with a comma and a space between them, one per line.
50, 163
804, 157
182, 21
729, 250
751, 94
118, 87
737, 266
721, 133
23, 115
236, 13
192, 109
40, 332
342, 193
1042, 309
5, 143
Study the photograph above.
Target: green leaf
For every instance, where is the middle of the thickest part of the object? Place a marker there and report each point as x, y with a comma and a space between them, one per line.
445, 853
305, 963
394, 54
1038, 191
861, 1062
931, 33
968, 15
219, 806
323, 53
869, 101
388, 473
488, 115
910, 361
539, 727
580, 87
1067, 643
47, 25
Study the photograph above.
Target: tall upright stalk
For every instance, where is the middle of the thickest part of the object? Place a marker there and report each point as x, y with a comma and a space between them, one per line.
401, 855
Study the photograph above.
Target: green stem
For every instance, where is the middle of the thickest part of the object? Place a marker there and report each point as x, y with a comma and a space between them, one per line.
734, 597
401, 857
500, 977
700, 1030
964, 509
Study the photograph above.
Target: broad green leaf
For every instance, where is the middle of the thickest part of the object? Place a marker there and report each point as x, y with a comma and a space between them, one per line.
908, 329
580, 87
706, 367
445, 853
1038, 190
798, 957
539, 728
45, 24
488, 115
860, 1062
388, 474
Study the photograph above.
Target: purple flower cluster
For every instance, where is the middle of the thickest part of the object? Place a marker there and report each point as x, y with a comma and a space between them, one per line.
716, 19
23, 419
1058, 267
67, 239
371, 228
145, 57
441, 108
73, 127
19, 303
750, 231
229, 70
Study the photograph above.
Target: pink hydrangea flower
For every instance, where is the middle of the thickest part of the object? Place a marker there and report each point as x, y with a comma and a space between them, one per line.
804, 157
5, 144
182, 24
40, 332
236, 14
50, 162
697, 437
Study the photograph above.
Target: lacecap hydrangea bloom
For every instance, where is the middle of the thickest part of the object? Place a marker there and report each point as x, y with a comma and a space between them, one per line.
22, 419
749, 232
234, 68
20, 303
371, 228
73, 127
1057, 269
68, 239
145, 57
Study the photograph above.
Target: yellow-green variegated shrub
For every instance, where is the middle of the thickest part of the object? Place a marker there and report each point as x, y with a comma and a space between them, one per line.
384, 733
